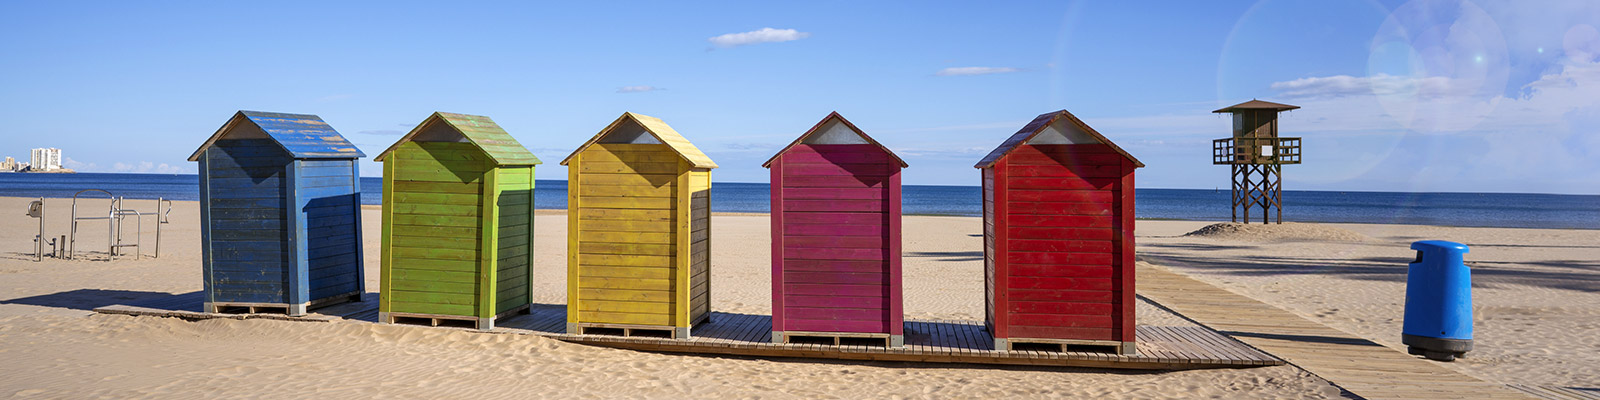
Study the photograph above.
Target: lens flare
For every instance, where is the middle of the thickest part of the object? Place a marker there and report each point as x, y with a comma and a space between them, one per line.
1446, 63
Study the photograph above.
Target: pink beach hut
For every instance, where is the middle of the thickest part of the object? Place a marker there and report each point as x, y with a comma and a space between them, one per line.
836, 236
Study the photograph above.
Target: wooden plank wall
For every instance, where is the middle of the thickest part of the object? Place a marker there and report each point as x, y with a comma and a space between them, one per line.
837, 240
328, 192
434, 231
1061, 246
700, 243
989, 251
625, 267
516, 238
248, 226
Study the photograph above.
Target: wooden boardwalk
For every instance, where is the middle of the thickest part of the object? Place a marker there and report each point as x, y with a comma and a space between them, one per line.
1160, 348
1355, 364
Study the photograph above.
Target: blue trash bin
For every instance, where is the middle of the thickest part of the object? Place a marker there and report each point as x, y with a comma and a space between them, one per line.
1438, 320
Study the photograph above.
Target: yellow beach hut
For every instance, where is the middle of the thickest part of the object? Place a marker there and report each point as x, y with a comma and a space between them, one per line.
639, 231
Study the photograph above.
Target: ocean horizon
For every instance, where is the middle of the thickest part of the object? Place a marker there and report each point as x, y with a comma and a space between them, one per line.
1503, 210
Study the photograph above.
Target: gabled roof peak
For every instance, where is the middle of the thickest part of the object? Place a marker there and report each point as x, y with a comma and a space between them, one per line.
658, 129
480, 131
1039, 124
817, 129
303, 136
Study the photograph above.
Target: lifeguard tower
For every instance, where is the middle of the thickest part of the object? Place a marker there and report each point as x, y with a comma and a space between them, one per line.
1257, 155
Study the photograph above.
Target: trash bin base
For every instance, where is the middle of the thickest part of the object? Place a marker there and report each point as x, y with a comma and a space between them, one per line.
1439, 349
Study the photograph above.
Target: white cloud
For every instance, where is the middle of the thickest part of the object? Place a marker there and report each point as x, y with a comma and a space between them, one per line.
638, 89
966, 71
1380, 84
75, 164
1199, 123
1543, 138
953, 152
146, 167
764, 35
1439, 105
983, 127
751, 146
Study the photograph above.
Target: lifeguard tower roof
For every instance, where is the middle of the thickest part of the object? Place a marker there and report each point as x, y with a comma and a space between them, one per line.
1256, 105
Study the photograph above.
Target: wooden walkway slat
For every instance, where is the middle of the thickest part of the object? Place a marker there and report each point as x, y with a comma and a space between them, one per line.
1160, 348
1358, 365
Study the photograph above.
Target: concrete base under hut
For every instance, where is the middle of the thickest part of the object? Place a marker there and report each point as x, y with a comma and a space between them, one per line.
625, 330
234, 307
1065, 345
628, 330
840, 338
464, 321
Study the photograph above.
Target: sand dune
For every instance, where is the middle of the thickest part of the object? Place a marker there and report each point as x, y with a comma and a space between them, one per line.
1531, 308
1289, 231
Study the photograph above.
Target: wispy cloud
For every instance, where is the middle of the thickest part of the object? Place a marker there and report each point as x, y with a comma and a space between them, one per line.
983, 127
967, 71
751, 146
938, 152
763, 35
638, 89
1380, 84
1437, 105
550, 150
75, 164
146, 167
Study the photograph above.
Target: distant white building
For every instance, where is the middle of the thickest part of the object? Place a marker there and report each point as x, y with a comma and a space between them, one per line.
46, 159
9, 165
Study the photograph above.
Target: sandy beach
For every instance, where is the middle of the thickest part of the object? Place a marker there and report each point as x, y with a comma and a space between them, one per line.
1536, 292
1537, 309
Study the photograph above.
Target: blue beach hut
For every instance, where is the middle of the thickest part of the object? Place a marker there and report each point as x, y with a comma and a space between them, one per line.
280, 215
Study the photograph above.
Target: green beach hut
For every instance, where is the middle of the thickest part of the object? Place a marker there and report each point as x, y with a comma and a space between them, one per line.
457, 223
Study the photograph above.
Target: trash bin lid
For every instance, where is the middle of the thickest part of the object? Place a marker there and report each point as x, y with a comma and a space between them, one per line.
1438, 245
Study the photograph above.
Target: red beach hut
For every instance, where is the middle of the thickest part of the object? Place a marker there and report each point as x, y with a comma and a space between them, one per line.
1058, 237
836, 236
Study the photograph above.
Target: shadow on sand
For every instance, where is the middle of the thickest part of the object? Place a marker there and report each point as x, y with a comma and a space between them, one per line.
949, 255
90, 299
1577, 275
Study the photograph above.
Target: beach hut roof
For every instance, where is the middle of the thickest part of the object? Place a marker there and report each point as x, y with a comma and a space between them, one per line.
1254, 104
815, 129
302, 135
478, 130
657, 129
1038, 125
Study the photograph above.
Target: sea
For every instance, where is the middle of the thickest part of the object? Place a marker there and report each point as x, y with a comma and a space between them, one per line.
1505, 210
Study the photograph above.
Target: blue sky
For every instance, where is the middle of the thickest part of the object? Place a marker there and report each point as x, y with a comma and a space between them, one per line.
1446, 95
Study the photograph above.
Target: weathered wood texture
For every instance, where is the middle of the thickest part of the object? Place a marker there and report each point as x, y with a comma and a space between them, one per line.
1058, 239
835, 239
248, 205
458, 224
641, 238
1160, 347
278, 227
302, 136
